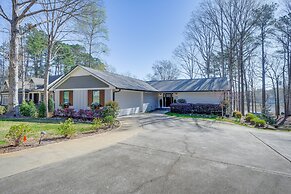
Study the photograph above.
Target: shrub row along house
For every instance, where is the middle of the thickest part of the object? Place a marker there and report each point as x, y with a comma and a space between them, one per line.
83, 86
34, 89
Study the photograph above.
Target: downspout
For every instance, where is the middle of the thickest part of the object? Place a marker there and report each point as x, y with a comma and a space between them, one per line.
114, 93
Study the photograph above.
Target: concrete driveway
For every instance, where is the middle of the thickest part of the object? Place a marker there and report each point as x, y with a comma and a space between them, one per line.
171, 155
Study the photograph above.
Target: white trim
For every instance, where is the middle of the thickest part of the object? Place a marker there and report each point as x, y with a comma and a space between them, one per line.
68, 76
82, 89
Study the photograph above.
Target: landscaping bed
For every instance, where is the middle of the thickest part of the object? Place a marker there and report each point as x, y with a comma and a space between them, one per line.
31, 129
51, 127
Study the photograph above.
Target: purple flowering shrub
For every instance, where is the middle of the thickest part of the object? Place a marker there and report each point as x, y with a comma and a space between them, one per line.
80, 115
189, 108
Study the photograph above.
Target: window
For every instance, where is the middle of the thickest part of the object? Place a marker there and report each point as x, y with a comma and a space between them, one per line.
66, 97
5, 100
96, 96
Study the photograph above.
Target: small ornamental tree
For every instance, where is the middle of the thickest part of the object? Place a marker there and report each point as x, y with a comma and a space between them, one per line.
17, 133
42, 110
97, 123
67, 128
109, 120
111, 109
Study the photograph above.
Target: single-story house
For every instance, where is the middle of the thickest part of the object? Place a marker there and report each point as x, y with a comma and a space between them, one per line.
34, 88
82, 86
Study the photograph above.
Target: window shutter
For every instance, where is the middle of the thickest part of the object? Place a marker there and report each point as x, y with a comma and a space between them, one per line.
71, 98
90, 97
102, 97
61, 98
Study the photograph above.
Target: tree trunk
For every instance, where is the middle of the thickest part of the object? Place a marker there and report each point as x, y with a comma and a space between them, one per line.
289, 76
22, 70
46, 74
278, 97
13, 66
263, 74
242, 94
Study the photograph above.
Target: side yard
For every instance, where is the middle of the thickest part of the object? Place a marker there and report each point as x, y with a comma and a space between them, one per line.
31, 129
50, 126
48, 130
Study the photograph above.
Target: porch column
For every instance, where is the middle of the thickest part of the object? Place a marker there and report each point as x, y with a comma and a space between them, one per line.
32, 97
39, 97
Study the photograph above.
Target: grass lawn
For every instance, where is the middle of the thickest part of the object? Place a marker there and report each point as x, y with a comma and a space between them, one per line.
207, 117
194, 116
38, 125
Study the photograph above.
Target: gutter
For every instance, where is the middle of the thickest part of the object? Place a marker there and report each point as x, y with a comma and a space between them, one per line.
115, 92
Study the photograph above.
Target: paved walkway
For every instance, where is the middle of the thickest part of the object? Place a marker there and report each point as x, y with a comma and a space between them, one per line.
20, 161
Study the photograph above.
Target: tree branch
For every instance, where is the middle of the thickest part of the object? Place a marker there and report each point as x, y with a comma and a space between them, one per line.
22, 15
3, 14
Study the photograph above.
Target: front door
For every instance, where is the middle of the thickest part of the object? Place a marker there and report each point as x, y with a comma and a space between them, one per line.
36, 98
167, 99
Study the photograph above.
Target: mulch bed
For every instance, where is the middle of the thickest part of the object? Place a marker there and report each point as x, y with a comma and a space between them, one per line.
32, 143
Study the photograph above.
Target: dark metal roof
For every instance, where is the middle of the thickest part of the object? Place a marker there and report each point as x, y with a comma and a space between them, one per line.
39, 82
181, 85
121, 81
191, 85
53, 78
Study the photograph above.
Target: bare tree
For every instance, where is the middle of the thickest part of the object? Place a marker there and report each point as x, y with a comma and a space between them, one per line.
274, 72
198, 31
265, 22
92, 29
165, 70
283, 36
20, 10
185, 54
54, 24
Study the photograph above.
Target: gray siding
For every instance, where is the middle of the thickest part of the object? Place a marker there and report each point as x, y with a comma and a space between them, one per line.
150, 101
129, 102
202, 97
82, 82
80, 99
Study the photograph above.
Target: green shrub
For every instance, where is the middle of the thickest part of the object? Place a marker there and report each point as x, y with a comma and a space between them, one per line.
258, 122
42, 110
51, 105
2, 110
238, 114
28, 109
97, 123
25, 109
33, 110
269, 119
249, 117
234, 113
111, 109
109, 120
67, 128
16, 133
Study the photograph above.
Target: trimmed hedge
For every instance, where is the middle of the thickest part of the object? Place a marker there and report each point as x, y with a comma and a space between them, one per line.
189, 108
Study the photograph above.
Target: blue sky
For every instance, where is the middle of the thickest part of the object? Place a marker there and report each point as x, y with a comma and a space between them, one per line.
140, 32
143, 31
